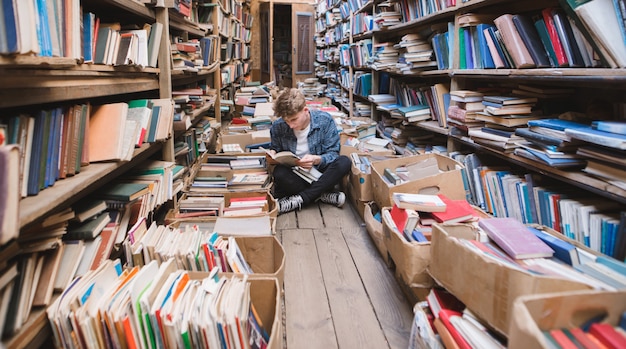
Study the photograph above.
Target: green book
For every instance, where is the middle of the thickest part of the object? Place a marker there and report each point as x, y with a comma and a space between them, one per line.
89, 229
123, 191
545, 40
462, 64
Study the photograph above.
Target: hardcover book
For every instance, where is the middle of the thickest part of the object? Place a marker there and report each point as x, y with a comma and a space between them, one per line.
513, 42
419, 202
515, 238
531, 39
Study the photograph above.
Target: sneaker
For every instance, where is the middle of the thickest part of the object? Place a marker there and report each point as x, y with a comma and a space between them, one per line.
336, 198
289, 203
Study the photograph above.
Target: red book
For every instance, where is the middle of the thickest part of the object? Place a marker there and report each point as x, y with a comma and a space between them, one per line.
608, 336
583, 339
456, 211
439, 298
399, 216
444, 316
554, 38
562, 340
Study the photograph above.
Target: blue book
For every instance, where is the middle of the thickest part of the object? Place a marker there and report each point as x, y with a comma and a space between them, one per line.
485, 54
563, 250
588, 134
10, 27
418, 236
620, 20
556, 124
492, 32
617, 127
43, 29
554, 162
612, 263
88, 26
154, 121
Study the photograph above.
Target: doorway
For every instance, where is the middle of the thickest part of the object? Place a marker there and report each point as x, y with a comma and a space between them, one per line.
282, 46
287, 46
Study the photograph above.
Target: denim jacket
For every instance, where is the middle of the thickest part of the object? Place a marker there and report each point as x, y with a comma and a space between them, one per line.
323, 137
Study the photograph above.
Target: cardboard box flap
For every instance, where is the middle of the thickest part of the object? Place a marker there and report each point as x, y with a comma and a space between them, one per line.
486, 286
534, 314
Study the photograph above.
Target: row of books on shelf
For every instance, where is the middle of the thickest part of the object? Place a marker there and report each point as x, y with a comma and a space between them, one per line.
46, 256
56, 143
553, 37
68, 31
500, 191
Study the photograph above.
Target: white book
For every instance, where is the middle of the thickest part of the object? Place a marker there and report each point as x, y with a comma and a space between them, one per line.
600, 18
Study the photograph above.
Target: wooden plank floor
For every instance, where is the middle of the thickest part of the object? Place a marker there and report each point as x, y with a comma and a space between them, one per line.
338, 292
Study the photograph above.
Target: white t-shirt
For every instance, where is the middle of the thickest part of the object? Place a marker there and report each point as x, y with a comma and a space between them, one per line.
302, 147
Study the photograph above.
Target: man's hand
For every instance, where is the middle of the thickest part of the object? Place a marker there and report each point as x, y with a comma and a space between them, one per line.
309, 160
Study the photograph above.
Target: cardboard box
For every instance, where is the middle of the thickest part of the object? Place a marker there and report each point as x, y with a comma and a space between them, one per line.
487, 287
448, 182
358, 205
410, 258
536, 313
375, 230
265, 255
265, 295
347, 149
243, 139
234, 226
272, 205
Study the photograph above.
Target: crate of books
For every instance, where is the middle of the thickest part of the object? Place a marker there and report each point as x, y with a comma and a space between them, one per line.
575, 319
198, 246
419, 174
208, 206
411, 257
489, 264
373, 223
163, 306
369, 145
359, 180
229, 173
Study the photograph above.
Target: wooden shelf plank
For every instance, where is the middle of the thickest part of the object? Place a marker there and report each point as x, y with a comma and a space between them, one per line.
67, 191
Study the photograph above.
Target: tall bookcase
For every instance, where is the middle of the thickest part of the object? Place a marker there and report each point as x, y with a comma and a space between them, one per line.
595, 89
32, 83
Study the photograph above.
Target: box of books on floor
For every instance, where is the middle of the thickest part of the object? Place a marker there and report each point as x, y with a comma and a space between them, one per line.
489, 264
419, 174
582, 319
209, 206
162, 306
372, 216
410, 257
199, 247
360, 176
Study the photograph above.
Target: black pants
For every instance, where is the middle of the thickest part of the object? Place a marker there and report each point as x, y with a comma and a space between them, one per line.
287, 183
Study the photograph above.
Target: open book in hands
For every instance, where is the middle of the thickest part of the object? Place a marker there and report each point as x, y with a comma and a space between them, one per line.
284, 157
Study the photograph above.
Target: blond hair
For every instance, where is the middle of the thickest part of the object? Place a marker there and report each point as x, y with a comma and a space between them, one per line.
289, 102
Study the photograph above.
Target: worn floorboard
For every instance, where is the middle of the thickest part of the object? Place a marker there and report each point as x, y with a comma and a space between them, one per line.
308, 321
338, 291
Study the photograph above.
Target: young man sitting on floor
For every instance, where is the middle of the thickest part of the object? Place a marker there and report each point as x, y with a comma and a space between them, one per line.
312, 135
